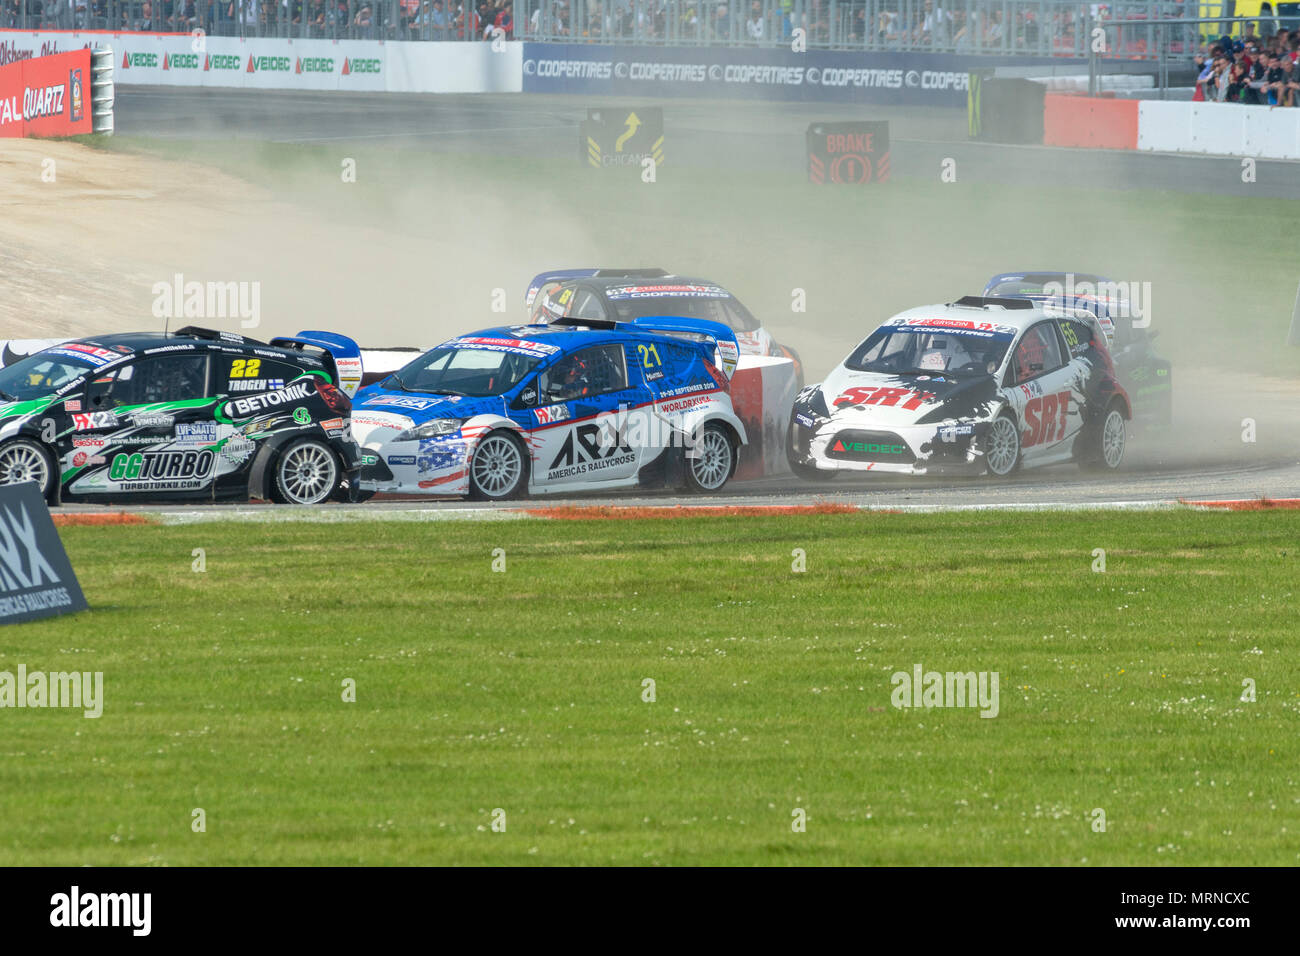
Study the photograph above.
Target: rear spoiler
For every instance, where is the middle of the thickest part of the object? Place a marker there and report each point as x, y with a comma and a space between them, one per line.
709, 335
984, 301
344, 352
535, 286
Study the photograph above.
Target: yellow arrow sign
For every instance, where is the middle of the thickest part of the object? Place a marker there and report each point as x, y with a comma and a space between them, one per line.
633, 121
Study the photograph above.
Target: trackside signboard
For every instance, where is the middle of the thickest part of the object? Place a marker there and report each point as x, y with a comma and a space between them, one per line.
848, 152
36, 578
46, 95
622, 138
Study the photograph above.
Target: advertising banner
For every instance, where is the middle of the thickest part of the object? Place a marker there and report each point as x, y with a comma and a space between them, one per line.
46, 96
171, 59
36, 578
923, 79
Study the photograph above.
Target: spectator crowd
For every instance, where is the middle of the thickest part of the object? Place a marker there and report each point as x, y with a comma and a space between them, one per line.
356, 19
1257, 71
1249, 70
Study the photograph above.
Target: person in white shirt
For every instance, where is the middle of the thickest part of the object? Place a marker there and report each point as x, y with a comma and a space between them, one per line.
754, 25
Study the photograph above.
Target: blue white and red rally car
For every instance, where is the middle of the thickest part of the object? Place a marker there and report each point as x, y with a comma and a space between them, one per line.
571, 406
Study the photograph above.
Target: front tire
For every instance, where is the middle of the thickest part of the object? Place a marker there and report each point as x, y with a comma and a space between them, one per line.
23, 460
306, 473
800, 470
499, 469
714, 461
1002, 455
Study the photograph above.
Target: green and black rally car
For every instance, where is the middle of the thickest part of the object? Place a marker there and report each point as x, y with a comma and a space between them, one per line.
195, 415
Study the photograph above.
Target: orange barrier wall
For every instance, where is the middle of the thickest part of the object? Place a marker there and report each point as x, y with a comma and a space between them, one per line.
1085, 121
46, 95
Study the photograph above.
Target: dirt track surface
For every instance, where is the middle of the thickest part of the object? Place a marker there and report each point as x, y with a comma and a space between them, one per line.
81, 254
83, 250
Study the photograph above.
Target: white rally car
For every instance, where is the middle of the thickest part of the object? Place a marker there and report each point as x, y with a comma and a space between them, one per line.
980, 384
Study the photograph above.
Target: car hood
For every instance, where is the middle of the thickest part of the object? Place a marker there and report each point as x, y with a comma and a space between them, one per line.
378, 414
914, 397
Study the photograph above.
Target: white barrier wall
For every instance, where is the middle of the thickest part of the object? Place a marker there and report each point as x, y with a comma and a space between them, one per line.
183, 60
1224, 129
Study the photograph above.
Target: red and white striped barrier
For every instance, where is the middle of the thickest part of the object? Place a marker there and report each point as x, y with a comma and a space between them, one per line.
1211, 129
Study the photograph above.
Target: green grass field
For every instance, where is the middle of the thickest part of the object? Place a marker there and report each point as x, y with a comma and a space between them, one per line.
522, 690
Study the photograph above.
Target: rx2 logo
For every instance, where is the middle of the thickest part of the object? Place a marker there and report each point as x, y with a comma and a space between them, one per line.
1046, 418
586, 443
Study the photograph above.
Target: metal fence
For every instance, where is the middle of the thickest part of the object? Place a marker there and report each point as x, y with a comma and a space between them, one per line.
994, 27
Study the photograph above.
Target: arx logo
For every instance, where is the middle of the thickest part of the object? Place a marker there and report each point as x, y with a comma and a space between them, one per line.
591, 442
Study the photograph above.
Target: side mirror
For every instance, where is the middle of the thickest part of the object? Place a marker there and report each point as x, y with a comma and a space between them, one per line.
527, 398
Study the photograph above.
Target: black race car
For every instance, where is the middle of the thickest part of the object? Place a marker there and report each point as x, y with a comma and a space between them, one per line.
1145, 375
197, 415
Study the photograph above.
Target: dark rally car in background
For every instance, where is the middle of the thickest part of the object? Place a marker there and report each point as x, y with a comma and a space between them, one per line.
1145, 375
197, 414
621, 295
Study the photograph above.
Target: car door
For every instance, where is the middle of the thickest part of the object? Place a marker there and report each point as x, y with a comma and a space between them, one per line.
161, 423
1041, 391
585, 403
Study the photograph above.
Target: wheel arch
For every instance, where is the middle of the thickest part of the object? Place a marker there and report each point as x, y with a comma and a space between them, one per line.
261, 475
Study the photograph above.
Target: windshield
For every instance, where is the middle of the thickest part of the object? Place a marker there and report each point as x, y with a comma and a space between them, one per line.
927, 350
716, 306
38, 375
491, 367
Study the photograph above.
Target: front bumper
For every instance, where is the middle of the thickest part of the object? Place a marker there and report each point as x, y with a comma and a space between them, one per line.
427, 466
837, 446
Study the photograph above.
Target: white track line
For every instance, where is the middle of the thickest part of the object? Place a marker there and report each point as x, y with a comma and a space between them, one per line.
340, 515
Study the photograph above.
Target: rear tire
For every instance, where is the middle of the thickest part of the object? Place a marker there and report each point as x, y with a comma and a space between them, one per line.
1105, 443
714, 461
23, 460
306, 473
498, 471
1002, 454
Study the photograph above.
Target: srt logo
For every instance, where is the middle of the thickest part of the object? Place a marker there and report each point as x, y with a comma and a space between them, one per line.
591, 442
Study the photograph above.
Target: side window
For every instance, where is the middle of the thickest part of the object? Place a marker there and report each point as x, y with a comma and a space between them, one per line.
548, 304
249, 373
1039, 351
586, 305
165, 378
584, 374
737, 318
1078, 336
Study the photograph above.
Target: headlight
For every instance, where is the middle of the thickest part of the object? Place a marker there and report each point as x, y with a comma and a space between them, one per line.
439, 426
814, 400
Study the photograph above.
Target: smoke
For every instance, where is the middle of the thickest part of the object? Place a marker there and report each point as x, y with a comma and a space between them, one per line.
424, 245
